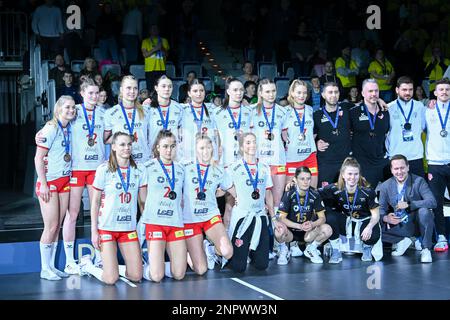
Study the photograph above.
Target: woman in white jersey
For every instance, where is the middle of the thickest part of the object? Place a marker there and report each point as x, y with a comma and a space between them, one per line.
164, 113
53, 161
249, 232
197, 119
232, 120
200, 210
88, 153
299, 137
162, 216
131, 117
269, 121
118, 187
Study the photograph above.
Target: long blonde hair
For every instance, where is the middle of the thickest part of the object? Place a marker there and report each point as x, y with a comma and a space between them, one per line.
262, 82
57, 109
202, 136
292, 87
351, 162
112, 162
137, 105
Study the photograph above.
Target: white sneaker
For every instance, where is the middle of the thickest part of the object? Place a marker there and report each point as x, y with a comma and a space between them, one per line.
425, 256
49, 275
272, 256
210, 254
59, 273
283, 255
146, 274
313, 255
84, 262
72, 268
441, 244
295, 250
402, 246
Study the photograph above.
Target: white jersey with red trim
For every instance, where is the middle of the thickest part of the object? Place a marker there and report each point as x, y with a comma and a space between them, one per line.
297, 149
225, 125
189, 129
244, 188
118, 209
195, 210
52, 138
85, 157
271, 152
115, 122
159, 208
156, 124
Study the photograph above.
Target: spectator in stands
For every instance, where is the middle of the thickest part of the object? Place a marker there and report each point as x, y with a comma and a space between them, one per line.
346, 70
89, 68
68, 89
301, 47
435, 67
361, 55
48, 27
248, 73
383, 72
330, 75
250, 92
132, 32
182, 91
98, 79
144, 94
102, 98
154, 49
354, 96
107, 29
421, 96
314, 97
57, 73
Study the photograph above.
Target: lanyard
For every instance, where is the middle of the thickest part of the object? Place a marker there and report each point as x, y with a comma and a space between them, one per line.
302, 209
302, 122
66, 141
371, 120
90, 128
171, 181
355, 196
198, 121
403, 112
200, 181
133, 117
336, 120
254, 182
237, 125
165, 123
125, 186
272, 122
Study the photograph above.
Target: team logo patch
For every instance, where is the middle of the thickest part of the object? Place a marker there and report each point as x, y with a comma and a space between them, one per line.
189, 232
74, 180
281, 169
132, 235
156, 235
214, 220
313, 169
66, 188
105, 237
239, 243
179, 233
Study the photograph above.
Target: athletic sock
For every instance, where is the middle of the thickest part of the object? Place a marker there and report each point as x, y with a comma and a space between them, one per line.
69, 250
53, 258
46, 255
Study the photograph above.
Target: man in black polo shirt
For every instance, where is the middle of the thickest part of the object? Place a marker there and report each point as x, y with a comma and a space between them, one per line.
370, 125
332, 134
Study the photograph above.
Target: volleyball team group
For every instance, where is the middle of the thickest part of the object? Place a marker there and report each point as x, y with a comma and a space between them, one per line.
169, 163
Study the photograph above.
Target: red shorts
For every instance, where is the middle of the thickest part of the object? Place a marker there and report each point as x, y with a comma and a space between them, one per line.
310, 162
82, 178
155, 232
118, 236
60, 185
277, 170
193, 229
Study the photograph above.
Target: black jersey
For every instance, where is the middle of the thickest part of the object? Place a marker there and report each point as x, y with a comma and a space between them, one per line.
368, 145
290, 206
360, 208
339, 138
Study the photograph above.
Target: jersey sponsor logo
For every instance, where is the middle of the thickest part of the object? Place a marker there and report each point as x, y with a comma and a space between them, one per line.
168, 213
261, 124
201, 211
52, 187
160, 179
306, 150
189, 232
123, 219
281, 169
97, 126
239, 243
92, 157
132, 235
137, 156
214, 220
179, 233
106, 237
267, 153
67, 173
230, 125
156, 235
67, 188
74, 180
159, 123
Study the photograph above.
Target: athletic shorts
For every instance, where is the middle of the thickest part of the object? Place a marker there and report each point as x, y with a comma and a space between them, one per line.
155, 232
60, 185
193, 229
277, 170
310, 162
118, 236
298, 235
81, 178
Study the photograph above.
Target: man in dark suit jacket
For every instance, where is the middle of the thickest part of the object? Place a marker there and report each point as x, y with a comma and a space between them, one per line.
405, 201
